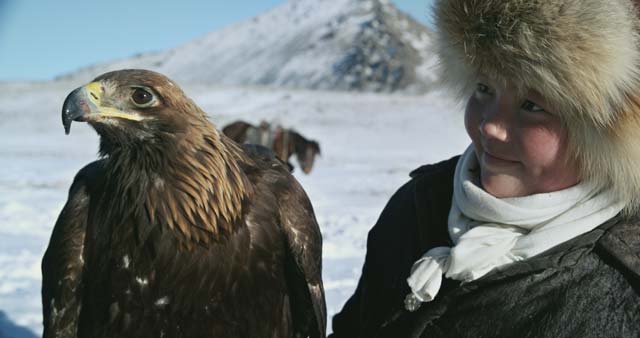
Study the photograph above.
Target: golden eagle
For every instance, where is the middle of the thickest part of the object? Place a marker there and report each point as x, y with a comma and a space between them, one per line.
177, 231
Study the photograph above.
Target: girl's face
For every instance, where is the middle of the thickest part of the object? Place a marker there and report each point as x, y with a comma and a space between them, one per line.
520, 144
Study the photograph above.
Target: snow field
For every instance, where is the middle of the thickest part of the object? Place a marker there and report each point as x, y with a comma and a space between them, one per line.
369, 142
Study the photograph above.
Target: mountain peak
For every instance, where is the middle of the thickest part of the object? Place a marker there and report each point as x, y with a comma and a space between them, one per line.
365, 45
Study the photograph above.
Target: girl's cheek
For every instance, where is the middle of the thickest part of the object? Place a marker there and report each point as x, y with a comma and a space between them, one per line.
472, 117
543, 145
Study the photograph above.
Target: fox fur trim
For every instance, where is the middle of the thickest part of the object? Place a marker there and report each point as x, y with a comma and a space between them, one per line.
583, 56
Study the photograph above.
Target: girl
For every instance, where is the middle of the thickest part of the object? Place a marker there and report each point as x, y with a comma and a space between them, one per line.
533, 231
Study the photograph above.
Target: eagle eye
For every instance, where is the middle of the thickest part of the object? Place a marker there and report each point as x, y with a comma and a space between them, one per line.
141, 97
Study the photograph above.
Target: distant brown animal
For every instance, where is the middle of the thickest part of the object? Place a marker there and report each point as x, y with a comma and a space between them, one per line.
177, 231
283, 142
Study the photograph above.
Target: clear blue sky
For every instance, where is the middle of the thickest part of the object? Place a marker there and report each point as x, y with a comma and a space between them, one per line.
40, 39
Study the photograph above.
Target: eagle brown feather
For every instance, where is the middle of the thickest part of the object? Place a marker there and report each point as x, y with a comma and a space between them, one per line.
177, 230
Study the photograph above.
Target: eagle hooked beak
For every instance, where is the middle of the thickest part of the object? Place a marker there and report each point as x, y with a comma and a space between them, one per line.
84, 105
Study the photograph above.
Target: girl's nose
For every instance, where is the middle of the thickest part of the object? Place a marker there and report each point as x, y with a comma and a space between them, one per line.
495, 122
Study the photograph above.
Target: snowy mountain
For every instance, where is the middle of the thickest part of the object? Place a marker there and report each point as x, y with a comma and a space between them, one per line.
370, 141
365, 45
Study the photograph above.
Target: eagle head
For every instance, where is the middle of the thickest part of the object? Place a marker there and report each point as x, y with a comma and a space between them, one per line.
132, 106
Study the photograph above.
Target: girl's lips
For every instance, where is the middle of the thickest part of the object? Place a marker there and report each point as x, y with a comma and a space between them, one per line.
493, 160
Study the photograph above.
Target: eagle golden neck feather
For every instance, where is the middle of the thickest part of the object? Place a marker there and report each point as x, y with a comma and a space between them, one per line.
192, 183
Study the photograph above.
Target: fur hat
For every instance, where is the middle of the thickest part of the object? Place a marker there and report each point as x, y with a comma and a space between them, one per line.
583, 56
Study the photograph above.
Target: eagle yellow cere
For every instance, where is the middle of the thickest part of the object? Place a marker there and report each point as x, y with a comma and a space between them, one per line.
177, 231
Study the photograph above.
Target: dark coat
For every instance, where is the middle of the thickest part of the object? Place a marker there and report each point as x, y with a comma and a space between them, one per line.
586, 287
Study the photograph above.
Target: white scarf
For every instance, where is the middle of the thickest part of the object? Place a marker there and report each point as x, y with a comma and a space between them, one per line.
489, 232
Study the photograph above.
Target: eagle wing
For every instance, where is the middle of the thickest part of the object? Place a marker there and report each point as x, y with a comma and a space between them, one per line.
304, 266
63, 262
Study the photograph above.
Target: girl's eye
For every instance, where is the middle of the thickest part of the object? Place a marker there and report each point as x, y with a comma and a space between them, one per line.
482, 88
531, 107
482, 91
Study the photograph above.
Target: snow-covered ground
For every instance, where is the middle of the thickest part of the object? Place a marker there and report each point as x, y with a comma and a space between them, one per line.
370, 142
